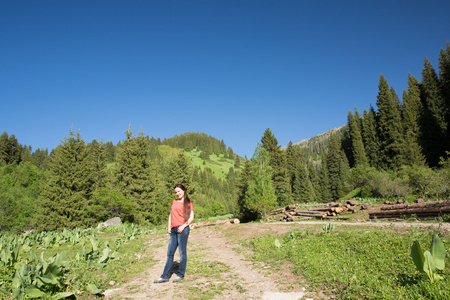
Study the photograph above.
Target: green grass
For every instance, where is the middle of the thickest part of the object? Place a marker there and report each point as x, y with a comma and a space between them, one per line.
219, 165
349, 263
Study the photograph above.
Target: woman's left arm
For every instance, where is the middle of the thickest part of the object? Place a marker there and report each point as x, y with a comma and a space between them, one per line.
191, 218
189, 221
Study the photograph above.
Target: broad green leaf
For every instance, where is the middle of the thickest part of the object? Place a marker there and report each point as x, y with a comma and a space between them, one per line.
6, 293
115, 255
94, 244
105, 255
92, 288
16, 282
438, 252
429, 266
52, 275
33, 292
60, 259
417, 256
277, 244
63, 295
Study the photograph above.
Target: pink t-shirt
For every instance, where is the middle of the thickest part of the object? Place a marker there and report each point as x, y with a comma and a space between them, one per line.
177, 213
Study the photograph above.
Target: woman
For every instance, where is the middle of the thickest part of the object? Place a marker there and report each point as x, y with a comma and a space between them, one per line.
181, 216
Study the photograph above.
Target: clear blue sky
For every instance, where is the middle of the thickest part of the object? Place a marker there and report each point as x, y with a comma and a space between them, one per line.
229, 69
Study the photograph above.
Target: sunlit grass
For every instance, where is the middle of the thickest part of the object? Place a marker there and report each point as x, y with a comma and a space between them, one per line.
364, 263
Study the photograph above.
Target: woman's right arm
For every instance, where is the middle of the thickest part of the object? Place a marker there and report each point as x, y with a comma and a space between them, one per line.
169, 224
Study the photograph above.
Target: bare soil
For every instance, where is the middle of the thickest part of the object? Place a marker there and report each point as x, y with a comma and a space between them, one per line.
239, 277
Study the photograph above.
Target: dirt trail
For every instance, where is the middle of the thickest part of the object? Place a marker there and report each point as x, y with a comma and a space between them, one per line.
220, 269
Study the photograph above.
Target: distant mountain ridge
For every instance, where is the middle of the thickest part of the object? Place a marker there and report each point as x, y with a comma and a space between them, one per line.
324, 135
314, 146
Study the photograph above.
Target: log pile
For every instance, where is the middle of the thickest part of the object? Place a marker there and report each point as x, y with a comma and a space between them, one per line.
220, 222
320, 211
420, 208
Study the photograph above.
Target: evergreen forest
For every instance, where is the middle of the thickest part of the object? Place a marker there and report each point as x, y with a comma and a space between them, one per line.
400, 148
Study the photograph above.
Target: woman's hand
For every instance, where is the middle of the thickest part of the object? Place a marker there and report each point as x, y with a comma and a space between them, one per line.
181, 228
169, 230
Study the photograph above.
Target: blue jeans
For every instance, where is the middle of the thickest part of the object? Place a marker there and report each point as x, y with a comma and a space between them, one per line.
176, 240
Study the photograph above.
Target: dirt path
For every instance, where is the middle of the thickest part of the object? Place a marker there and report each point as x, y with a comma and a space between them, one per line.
218, 269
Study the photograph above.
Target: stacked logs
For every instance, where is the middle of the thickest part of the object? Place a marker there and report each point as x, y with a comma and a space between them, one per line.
420, 208
320, 211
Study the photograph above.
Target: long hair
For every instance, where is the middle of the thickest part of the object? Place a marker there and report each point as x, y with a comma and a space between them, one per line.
187, 202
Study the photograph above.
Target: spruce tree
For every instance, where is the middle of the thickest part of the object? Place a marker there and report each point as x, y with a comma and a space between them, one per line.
434, 124
132, 176
370, 137
260, 195
237, 162
411, 115
324, 179
358, 153
334, 164
4, 147
39, 158
14, 149
392, 143
292, 159
315, 181
243, 212
278, 163
97, 159
444, 77
302, 189
65, 196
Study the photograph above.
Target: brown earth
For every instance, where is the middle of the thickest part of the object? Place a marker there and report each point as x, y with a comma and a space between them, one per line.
220, 269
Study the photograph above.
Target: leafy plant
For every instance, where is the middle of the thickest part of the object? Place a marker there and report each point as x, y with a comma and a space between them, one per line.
327, 228
428, 261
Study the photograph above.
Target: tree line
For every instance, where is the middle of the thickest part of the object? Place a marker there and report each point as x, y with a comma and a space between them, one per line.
400, 150
79, 184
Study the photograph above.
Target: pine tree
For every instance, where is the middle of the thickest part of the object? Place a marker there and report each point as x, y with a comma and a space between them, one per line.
324, 179
97, 160
14, 149
237, 162
278, 163
231, 153
444, 77
110, 152
434, 124
293, 155
411, 116
39, 158
260, 195
390, 128
370, 137
243, 212
358, 154
132, 176
4, 147
315, 181
65, 196
302, 189
334, 165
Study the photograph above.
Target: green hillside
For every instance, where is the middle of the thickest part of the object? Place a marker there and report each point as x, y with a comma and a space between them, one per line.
218, 164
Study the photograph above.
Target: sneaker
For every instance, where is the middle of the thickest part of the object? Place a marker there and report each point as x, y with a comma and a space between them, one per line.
178, 278
161, 280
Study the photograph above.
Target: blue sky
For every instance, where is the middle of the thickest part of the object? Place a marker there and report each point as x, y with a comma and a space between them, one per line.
229, 69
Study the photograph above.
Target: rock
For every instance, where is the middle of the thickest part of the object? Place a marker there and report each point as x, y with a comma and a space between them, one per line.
111, 222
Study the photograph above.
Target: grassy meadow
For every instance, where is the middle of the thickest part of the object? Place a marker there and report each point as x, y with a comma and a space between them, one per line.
352, 262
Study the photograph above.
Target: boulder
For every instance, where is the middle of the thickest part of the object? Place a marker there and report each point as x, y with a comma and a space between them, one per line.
111, 222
